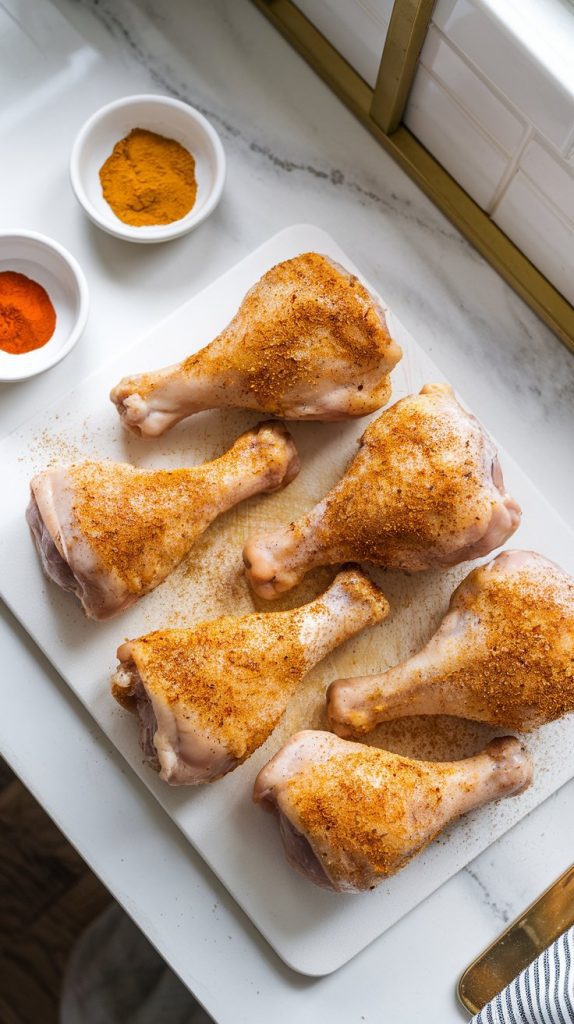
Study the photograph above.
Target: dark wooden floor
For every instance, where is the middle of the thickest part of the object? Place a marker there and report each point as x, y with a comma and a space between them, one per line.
47, 897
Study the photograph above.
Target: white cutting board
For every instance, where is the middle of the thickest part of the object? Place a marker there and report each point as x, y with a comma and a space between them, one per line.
313, 931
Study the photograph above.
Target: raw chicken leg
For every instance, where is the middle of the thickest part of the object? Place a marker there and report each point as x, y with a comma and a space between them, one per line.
503, 654
207, 697
351, 815
110, 532
425, 490
308, 343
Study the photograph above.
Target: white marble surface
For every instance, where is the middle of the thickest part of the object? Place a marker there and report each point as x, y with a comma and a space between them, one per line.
294, 154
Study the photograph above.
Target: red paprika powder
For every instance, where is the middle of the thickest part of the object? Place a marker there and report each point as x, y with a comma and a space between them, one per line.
27, 316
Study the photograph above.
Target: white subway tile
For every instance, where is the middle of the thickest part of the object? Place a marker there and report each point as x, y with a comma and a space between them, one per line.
455, 140
493, 115
553, 176
487, 42
356, 28
543, 27
536, 228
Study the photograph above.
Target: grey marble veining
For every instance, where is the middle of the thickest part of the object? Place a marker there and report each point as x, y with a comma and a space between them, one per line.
501, 910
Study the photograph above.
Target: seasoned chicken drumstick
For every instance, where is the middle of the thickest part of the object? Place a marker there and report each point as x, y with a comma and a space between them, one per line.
425, 490
503, 654
308, 343
351, 815
110, 532
207, 697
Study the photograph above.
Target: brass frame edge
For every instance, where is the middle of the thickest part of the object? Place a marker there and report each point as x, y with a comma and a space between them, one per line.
541, 923
403, 43
490, 241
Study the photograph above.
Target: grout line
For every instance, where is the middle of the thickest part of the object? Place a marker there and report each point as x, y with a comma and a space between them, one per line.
547, 201
512, 162
475, 123
567, 152
556, 152
481, 75
528, 131
510, 171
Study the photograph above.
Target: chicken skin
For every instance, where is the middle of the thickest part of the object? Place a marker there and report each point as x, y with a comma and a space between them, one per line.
207, 697
425, 490
503, 654
351, 815
110, 532
308, 343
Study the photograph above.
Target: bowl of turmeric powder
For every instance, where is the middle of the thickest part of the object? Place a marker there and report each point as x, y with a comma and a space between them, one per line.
147, 168
43, 304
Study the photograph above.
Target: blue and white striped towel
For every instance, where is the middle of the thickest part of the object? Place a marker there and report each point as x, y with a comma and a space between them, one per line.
542, 994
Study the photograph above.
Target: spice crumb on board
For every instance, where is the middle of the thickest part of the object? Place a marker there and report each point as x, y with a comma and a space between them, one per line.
210, 582
47, 448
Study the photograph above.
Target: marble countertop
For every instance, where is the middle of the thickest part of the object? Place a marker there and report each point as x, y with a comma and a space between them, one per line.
294, 155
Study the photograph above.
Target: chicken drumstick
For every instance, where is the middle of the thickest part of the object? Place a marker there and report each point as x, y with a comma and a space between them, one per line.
308, 343
351, 815
425, 490
110, 532
207, 697
503, 654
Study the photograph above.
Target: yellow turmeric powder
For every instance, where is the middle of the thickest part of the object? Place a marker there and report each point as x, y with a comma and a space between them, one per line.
149, 179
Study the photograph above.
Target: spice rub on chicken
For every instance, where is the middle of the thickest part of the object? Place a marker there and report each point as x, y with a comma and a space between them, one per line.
503, 654
308, 342
425, 490
110, 532
351, 815
208, 696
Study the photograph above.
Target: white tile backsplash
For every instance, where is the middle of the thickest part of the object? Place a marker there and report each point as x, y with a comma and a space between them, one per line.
493, 101
456, 141
485, 40
551, 175
544, 28
539, 230
493, 115
516, 166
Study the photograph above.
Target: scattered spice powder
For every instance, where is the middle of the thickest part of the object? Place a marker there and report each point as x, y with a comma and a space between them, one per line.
149, 180
27, 316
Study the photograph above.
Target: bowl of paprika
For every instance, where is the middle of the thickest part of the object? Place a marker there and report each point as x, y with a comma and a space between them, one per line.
43, 304
147, 168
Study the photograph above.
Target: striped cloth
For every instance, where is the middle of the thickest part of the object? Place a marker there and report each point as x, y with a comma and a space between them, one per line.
542, 994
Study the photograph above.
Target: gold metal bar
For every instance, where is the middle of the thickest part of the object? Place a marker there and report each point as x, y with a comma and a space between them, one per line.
483, 233
525, 939
406, 34
425, 170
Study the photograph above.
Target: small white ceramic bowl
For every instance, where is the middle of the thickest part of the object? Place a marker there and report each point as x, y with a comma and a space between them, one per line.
52, 266
165, 116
